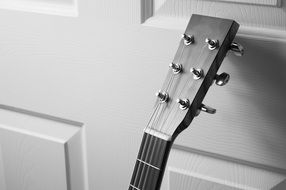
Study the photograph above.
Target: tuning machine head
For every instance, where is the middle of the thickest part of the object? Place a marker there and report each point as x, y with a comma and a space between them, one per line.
197, 73
237, 49
222, 79
177, 68
163, 96
188, 39
212, 44
184, 103
206, 109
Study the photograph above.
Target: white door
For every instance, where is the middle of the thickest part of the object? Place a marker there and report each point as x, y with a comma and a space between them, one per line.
99, 62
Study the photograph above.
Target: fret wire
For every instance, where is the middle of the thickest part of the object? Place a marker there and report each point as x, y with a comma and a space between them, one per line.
146, 156
145, 141
144, 166
153, 125
134, 187
150, 161
141, 169
138, 169
149, 164
154, 146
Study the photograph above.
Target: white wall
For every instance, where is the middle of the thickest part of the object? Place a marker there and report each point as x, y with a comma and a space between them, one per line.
103, 68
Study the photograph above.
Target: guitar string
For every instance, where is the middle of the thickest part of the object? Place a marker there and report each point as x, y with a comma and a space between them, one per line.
150, 123
156, 124
144, 146
187, 84
168, 115
158, 112
164, 105
179, 60
184, 87
157, 103
156, 140
161, 115
152, 147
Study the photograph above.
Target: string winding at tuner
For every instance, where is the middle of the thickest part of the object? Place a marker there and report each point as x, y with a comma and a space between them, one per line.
192, 72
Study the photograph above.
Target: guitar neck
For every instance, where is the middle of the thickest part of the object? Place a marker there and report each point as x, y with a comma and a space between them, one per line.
150, 164
193, 70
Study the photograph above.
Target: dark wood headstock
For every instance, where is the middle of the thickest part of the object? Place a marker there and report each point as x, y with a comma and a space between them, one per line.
193, 70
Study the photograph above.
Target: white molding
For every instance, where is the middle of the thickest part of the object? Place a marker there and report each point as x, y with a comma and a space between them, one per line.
244, 31
62, 7
276, 3
41, 150
216, 182
187, 170
152, 17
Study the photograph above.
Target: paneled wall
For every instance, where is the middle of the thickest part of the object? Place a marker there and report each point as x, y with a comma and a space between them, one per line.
101, 61
40, 151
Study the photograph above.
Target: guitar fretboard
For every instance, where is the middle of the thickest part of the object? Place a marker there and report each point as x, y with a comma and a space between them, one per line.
150, 163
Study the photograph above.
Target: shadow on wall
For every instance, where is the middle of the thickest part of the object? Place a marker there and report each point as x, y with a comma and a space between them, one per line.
265, 78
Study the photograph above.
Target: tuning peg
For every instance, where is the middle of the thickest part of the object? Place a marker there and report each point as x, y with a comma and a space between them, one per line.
184, 104
212, 44
197, 73
163, 96
188, 39
237, 49
222, 79
177, 68
206, 109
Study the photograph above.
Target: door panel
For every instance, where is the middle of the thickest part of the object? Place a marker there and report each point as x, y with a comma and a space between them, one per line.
103, 66
40, 152
258, 18
197, 171
60, 7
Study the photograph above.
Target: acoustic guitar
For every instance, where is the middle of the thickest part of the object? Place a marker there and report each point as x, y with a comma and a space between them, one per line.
201, 51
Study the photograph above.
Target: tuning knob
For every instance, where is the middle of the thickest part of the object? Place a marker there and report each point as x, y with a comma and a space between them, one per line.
188, 39
163, 96
184, 103
177, 68
222, 79
206, 109
197, 73
212, 44
237, 49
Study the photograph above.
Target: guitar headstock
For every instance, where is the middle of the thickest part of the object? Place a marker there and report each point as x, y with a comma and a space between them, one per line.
193, 70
